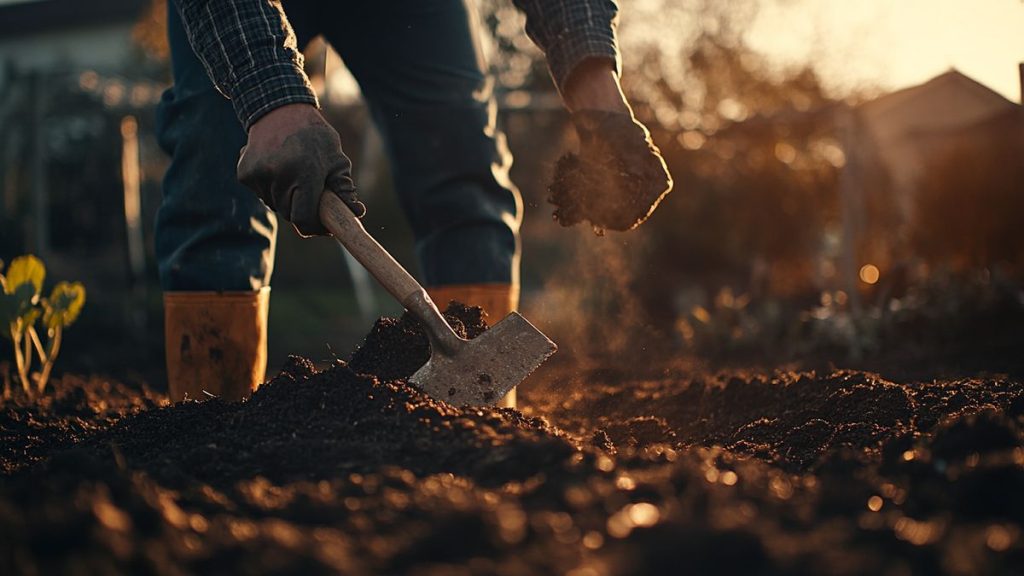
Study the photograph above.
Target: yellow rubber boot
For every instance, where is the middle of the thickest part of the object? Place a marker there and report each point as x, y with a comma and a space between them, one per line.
497, 300
216, 343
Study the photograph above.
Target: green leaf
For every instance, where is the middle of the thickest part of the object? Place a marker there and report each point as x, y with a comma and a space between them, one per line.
18, 306
64, 305
24, 299
25, 270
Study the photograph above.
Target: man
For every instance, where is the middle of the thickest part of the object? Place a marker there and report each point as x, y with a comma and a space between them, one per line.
239, 84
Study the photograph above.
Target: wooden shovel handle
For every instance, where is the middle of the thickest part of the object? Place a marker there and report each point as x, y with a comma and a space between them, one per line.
343, 224
347, 229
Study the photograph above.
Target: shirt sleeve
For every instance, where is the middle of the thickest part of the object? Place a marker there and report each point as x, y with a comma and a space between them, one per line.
572, 31
250, 53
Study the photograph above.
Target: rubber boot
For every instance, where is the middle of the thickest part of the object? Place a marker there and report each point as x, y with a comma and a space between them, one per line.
216, 343
497, 300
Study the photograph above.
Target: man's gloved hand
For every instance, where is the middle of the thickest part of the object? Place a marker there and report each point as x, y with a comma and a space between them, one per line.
617, 179
293, 156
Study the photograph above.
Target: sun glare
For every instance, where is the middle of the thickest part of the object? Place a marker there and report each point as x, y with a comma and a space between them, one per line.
883, 44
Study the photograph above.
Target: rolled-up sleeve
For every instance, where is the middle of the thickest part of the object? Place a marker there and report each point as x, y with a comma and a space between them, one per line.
572, 31
250, 53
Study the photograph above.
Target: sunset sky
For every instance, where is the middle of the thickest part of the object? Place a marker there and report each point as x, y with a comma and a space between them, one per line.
891, 44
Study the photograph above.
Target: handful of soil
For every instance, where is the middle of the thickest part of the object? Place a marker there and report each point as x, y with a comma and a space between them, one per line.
618, 178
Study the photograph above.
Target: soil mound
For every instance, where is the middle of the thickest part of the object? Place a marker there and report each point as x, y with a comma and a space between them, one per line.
309, 425
396, 347
646, 470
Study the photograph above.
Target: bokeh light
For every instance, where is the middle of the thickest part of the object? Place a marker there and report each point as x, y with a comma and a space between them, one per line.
869, 274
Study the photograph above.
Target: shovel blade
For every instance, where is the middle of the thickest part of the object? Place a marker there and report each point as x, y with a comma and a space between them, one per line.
485, 368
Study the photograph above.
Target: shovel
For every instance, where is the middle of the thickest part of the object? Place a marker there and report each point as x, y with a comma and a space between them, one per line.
462, 372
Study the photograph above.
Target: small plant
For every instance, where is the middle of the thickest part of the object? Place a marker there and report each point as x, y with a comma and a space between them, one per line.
22, 306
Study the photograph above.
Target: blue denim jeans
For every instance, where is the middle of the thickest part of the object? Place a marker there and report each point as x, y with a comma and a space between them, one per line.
419, 67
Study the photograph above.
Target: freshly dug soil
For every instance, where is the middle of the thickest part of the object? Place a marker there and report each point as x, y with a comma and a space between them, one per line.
71, 409
657, 469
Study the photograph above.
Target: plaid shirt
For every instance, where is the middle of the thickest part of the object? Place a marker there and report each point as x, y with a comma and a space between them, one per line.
251, 54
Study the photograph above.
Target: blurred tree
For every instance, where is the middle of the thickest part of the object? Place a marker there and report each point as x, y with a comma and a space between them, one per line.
753, 151
515, 61
755, 155
150, 31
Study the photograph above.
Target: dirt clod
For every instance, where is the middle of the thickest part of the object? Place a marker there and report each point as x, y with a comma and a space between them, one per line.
616, 181
396, 348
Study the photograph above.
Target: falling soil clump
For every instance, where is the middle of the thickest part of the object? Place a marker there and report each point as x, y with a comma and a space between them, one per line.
644, 470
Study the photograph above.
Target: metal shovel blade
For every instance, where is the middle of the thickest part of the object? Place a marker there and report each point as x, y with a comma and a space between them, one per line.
482, 370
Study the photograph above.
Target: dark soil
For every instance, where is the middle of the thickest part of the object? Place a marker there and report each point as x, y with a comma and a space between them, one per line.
72, 409
654, 468
617, 180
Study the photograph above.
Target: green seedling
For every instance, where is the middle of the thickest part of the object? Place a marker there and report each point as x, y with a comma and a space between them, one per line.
22, 306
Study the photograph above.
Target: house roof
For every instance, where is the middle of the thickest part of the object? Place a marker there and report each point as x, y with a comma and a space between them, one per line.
38, 16
908, 96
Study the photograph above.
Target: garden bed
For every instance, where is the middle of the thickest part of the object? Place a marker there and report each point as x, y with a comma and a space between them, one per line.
663, 468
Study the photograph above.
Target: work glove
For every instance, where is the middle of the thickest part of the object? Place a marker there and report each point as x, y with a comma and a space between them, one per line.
617, 179
292, 157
